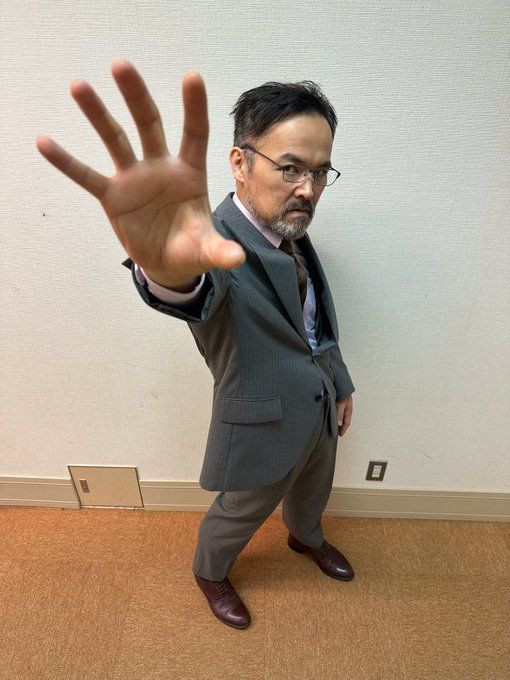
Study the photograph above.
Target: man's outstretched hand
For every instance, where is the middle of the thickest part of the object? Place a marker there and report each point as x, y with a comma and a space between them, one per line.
158, 206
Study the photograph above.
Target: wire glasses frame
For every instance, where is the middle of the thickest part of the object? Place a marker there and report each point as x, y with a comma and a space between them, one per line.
303, 171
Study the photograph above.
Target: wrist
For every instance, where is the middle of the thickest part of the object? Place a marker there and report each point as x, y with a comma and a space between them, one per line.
181, 285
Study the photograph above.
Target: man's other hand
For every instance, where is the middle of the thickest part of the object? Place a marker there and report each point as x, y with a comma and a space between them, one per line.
344, 410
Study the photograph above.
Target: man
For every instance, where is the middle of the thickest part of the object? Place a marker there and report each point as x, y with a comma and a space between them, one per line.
250, 286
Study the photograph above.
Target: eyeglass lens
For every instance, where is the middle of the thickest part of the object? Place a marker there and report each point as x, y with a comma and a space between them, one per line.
321, 177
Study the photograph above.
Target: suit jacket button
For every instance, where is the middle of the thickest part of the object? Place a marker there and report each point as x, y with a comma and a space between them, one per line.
318, 397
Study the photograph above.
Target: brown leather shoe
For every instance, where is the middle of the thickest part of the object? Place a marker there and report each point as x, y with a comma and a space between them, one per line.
329, 559
225, 603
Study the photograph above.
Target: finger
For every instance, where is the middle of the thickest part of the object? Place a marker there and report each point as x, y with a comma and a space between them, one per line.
112, 134
196, 124
82, 174
220, 252
343, 423
142, 107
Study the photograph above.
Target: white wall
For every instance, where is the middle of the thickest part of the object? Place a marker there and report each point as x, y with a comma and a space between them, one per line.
413, 237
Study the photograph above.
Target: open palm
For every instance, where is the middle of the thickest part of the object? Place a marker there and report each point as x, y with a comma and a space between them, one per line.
158, 206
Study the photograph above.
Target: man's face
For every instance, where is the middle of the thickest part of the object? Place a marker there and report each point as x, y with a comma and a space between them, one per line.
305, 140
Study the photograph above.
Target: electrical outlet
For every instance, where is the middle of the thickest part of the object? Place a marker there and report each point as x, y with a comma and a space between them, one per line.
376, 470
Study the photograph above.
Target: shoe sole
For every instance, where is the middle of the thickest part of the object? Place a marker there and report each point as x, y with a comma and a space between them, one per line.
232, 625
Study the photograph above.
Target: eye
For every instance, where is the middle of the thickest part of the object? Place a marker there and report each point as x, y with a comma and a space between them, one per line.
291, 169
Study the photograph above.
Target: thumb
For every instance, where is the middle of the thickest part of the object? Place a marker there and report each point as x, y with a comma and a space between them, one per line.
224, 253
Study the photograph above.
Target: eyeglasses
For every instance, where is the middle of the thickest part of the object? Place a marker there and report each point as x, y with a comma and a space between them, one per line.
324, 177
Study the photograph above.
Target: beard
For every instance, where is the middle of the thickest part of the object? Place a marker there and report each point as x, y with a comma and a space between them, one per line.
289, 227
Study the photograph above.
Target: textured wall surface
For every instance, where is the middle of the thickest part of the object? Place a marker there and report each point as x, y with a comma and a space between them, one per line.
413, 237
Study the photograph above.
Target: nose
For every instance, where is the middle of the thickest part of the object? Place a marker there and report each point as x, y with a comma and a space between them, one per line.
305, 188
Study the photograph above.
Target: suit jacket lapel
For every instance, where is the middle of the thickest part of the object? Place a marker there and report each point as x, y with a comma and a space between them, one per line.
279, 266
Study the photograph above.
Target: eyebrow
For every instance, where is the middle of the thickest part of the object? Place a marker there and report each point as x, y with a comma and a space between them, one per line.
296, 159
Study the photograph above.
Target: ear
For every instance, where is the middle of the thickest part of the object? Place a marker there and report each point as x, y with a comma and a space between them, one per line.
238, 164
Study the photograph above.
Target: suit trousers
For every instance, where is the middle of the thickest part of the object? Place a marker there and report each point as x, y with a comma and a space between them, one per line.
234, 516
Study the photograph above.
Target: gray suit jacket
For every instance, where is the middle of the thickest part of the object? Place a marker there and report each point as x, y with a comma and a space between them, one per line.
248, 325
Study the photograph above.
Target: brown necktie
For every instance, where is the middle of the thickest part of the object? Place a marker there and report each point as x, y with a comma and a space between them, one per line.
286, 246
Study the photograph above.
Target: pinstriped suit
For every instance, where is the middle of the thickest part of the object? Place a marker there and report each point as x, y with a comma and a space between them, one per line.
273, 409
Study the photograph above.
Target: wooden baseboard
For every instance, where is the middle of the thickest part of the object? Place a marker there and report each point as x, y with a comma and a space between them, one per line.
344, 501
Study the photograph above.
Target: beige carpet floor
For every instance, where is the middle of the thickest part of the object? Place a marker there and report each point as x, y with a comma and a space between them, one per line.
98, 594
